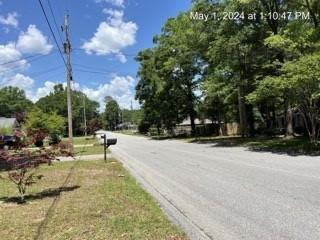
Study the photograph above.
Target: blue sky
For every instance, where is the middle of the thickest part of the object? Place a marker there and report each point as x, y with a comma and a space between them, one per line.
105, 34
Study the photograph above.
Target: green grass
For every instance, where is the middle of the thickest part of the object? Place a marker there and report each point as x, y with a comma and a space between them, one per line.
96, 202
90, 150
83, 140
291, 146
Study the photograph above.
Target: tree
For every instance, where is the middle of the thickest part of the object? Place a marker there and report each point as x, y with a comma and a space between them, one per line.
220, 100
170, 74
12, 101
94, 125
112, 113
22, 168
303, 77
131, 116
56, 101
238, 64
39, 125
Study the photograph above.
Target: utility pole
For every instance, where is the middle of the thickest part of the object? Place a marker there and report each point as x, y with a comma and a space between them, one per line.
67, 52
84, 115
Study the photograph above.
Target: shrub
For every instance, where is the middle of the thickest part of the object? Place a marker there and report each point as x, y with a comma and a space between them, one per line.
22, 166
144, 127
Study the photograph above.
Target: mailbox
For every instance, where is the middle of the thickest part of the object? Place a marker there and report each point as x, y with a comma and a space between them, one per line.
107, 143
111, 141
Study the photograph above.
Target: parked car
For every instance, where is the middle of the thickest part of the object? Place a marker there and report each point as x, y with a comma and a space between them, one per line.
7, 141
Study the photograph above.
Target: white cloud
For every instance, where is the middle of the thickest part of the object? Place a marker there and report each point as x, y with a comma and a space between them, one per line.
120, 88
9, 54
33, 41
10, 20
21, 81
117, 3
42, 91
122, 58
112, 36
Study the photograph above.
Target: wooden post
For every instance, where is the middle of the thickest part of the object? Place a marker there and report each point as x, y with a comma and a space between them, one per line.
105, 147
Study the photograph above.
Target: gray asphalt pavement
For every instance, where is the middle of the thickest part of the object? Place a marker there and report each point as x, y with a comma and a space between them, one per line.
227, 192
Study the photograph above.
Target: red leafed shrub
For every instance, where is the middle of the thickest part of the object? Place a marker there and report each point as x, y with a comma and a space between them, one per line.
63, 149
22, 167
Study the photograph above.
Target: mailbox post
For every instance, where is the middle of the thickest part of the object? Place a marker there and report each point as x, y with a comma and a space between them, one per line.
107, 143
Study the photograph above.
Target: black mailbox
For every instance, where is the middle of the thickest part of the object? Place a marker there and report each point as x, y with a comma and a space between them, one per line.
111, 141
107, 143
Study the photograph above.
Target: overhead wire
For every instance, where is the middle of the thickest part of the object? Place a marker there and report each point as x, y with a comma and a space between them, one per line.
55, 22
124, 54
91, 68
51, 30
36, 58
98, 72
39, 73
21, 59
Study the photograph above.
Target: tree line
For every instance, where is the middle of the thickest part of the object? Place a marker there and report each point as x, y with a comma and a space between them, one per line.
236, 70
49, 114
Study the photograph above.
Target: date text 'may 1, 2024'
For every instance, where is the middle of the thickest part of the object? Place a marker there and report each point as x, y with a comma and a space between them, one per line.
238, 16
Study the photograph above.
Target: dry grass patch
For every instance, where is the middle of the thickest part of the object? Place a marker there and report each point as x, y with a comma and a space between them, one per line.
94, 203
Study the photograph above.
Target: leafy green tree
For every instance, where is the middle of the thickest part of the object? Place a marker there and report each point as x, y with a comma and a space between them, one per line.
303, 77
56, 101
170, 74
40, 124
132, 116
12, 101
112, 113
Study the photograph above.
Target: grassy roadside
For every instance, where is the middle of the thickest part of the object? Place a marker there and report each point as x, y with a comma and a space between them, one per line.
292, 146
100, 201
89, 150
83, 140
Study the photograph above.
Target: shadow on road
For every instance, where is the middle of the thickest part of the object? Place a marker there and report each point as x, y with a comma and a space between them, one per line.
293, 147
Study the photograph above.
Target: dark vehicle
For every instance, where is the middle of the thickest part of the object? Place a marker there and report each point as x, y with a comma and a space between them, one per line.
7, 141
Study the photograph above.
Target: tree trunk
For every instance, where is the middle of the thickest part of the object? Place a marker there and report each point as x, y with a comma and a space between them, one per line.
250, 114
242, 112
289, 118
193, 125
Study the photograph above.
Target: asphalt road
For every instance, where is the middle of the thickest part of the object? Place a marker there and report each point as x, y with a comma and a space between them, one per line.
227, 192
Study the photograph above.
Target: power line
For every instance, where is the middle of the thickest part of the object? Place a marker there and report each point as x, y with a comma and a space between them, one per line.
39, 73
36, 58
91, 68
18, 60
54, 37
99, 72
124, 54
55, 22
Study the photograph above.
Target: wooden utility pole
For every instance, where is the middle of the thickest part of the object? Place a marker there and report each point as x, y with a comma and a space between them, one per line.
84, 115
67, 52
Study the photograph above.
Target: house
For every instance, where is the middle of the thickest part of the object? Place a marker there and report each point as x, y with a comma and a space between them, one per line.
203, 126
9, 123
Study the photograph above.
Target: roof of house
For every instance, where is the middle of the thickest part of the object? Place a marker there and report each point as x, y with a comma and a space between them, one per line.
8, 122
187, 122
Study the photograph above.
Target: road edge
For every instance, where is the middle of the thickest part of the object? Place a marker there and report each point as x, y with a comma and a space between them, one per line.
173, 212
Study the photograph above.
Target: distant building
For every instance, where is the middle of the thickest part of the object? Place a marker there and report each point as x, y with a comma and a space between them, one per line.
9, 123
203, 126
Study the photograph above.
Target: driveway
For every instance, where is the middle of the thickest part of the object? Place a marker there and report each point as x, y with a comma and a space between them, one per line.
227, 192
